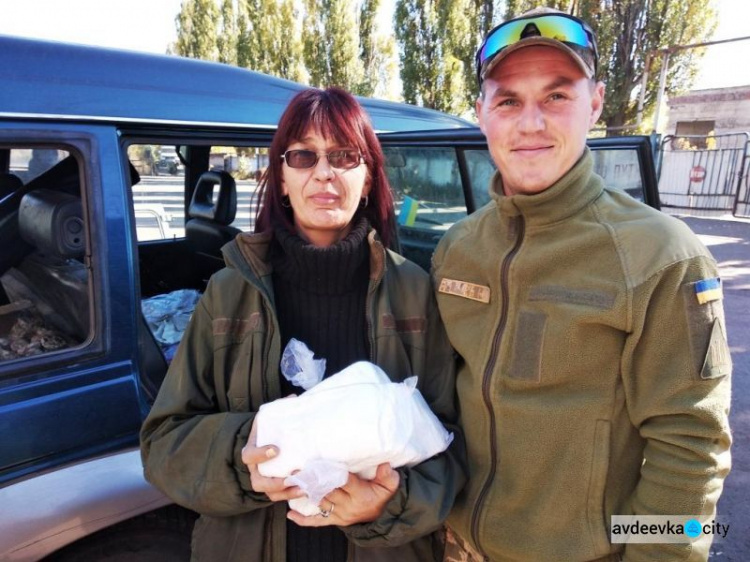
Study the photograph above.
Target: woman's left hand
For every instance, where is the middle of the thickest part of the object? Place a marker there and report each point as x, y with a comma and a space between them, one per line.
357, 501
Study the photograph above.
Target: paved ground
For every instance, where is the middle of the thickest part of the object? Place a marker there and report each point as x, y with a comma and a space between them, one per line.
729, 241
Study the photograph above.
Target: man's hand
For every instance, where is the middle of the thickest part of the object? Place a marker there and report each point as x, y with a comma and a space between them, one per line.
252, 456
358, 501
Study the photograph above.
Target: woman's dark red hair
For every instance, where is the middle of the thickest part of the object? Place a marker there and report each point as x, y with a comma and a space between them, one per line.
334, 114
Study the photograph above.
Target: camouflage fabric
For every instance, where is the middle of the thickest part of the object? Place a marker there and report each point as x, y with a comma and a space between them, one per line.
459, 550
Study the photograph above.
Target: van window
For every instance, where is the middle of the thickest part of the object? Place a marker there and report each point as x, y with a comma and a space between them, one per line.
620, 169
246, 164
159, 193
481, 168
45, 301
426, 187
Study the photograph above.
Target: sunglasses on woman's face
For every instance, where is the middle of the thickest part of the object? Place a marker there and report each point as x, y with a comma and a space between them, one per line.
344, 159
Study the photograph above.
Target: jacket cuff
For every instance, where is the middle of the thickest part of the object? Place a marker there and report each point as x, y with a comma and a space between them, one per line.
240, 468
361, 533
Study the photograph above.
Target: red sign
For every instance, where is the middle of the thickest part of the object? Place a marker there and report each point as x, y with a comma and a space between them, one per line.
697, 174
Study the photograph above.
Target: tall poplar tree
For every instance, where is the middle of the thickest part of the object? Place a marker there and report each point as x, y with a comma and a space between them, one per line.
290, 62
368, 47
438, 39
331, 43
197, 29
226, 41
323, 42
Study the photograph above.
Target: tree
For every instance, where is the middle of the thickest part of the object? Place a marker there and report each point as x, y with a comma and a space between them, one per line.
290, 54
226, 41
368, 47
331, 43
438, 40
383, 70
627, 30
267, 36
419, 38
197, 29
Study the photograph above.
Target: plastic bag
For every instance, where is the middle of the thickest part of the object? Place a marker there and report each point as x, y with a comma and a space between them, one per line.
357, 418
319, 477
299, 367
168, 315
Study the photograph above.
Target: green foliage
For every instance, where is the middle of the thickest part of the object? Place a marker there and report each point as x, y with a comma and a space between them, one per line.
337, 42
331, 43
226, 42
438, 40
368, 47
322, 42
290, 55
262, 35
197, 29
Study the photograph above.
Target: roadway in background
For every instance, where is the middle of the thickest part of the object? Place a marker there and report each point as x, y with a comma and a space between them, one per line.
729, 242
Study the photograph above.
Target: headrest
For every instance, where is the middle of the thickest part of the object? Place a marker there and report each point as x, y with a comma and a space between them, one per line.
9, 184
220, 209
52, 221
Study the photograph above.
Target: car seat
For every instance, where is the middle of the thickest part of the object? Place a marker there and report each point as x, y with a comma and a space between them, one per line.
210, 214
53, 275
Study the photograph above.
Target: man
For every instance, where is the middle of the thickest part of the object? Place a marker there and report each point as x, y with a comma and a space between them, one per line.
595, 378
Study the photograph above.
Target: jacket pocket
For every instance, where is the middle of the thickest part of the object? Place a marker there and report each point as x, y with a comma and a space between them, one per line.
238, 358
597, 483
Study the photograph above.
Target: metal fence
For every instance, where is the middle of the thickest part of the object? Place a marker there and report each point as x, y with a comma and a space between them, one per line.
707, 174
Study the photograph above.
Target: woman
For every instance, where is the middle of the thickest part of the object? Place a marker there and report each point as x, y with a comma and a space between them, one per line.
316, 269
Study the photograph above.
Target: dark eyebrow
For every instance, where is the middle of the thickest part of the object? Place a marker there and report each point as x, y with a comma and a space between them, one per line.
559, 82
501, 92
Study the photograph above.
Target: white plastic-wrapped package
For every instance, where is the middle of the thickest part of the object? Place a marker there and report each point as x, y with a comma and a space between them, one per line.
355, 419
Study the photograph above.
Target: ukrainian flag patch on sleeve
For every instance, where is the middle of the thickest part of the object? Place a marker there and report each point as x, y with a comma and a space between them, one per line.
708, 290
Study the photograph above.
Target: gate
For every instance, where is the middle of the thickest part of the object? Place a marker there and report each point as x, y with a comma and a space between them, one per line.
708, 174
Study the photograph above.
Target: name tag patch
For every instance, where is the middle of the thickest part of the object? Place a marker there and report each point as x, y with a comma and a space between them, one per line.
464, 289
708, 290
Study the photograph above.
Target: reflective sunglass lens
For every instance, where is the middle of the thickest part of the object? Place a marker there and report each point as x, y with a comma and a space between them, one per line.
559, 28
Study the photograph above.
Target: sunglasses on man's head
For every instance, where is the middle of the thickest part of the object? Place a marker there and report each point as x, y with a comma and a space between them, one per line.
344, 159
561, 27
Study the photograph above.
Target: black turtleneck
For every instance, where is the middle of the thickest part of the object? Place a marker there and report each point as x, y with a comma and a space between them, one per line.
320, 296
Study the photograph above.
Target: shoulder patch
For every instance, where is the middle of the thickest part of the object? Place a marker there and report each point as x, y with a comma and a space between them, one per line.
718, 362
708, 290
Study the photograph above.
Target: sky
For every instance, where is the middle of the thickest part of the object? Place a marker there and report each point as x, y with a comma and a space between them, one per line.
149, 25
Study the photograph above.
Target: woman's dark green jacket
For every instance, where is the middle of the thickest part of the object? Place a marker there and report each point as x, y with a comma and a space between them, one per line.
228, 365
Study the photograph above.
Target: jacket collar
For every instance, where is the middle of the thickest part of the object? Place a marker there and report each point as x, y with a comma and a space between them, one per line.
563, 199
248, 253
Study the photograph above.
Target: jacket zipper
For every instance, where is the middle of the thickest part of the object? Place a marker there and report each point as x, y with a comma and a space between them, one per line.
368, 319
486, 384
369, 308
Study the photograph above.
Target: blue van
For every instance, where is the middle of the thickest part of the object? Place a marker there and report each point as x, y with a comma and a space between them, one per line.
121, 176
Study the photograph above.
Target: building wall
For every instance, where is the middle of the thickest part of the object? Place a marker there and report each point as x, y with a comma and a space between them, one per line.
729, 108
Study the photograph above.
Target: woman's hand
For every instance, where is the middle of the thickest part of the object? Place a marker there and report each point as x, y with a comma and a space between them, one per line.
252, 456
358, 501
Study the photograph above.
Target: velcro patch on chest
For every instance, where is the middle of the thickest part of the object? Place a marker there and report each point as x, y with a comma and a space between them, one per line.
235, 327
413, 324
464, 289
